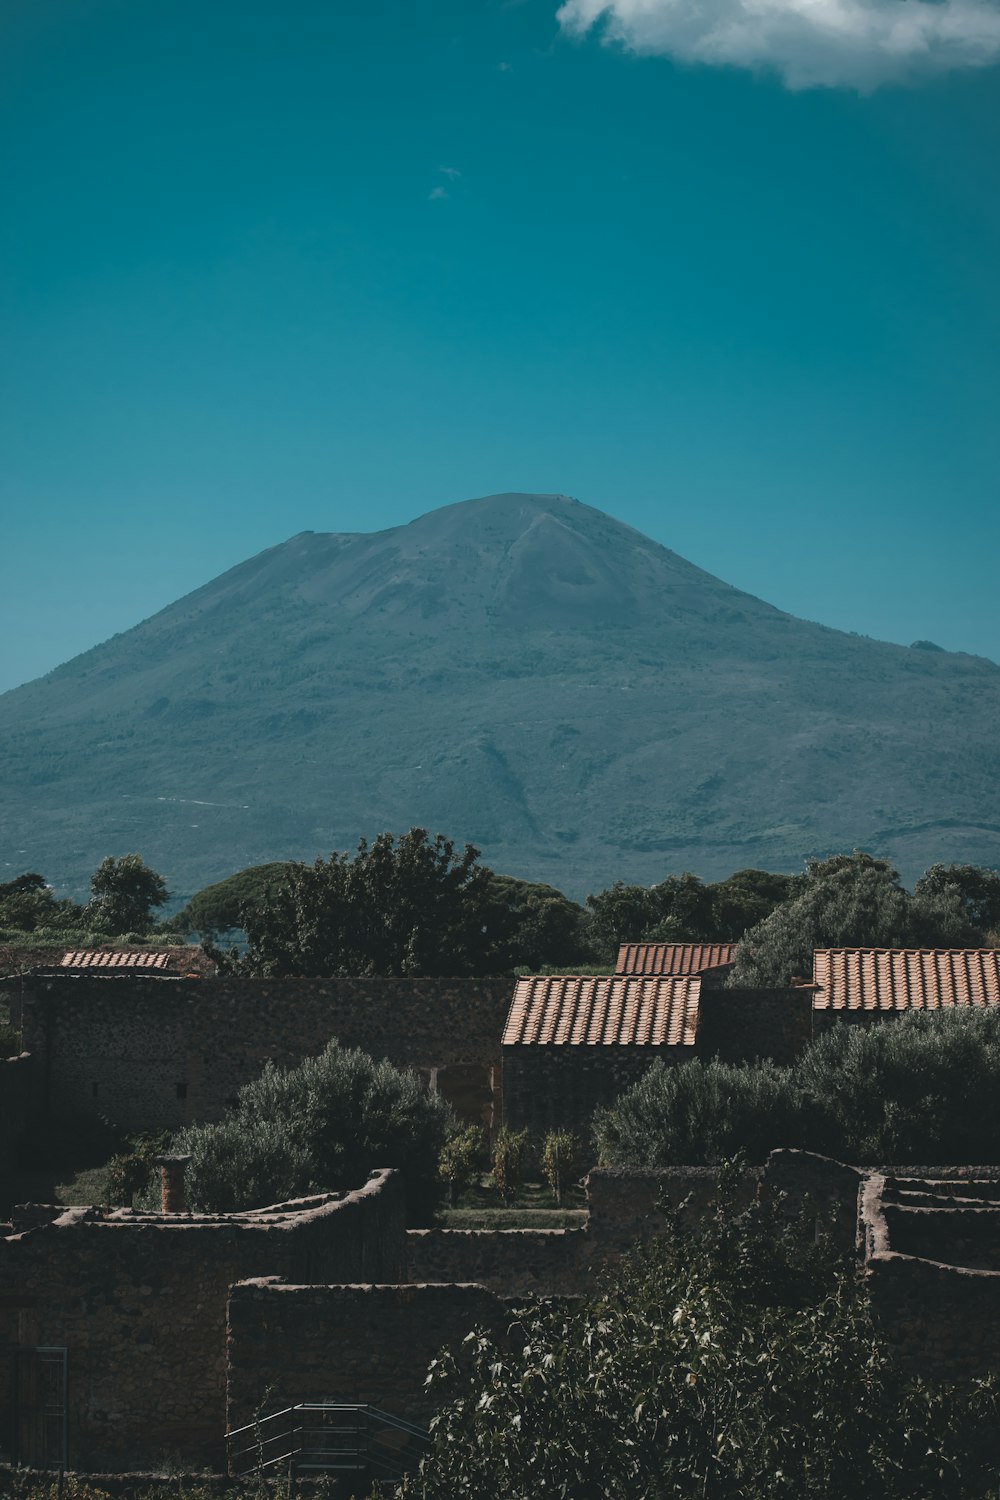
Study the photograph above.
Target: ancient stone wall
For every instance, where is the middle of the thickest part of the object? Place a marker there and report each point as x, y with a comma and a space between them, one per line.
536, 1262
139, 1302
18, 1078
371, 1344
739, 1025
546, 1088
154, 1054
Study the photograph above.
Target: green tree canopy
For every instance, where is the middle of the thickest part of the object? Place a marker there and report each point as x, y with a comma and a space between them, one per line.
847, 901
123, 894
27, 904
408, 906
546, 928
975, 889
217, 907
321, 1126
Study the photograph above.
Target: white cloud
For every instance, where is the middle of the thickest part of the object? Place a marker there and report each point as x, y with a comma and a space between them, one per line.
450, 172
855, 44
437, 192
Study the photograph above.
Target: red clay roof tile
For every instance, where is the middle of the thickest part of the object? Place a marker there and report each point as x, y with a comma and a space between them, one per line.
895, 979
608, 1010
673, 958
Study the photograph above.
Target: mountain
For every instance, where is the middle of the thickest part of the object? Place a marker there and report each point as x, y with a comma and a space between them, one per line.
522, 672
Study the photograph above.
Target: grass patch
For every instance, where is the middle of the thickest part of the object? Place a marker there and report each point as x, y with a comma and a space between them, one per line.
513, 1218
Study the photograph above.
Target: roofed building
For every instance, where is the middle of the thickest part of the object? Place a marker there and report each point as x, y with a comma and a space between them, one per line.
885, 981
573, 1042
672, 959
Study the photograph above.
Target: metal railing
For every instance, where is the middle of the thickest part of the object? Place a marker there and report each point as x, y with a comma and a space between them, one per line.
326, 1437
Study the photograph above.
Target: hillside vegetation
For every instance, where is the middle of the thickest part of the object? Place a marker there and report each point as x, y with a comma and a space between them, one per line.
580, 701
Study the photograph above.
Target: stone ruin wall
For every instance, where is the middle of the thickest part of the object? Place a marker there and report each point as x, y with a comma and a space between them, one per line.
370, 1344
18, 1094
139, 1302
154, 1054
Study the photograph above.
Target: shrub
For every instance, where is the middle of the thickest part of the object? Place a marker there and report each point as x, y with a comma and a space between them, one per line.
922, 1088
733, 1360
462, 1159
510, 1156
699, 1113
562, 1159
324, 1125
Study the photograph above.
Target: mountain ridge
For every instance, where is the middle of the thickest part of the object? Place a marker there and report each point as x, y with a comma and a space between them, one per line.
522, 671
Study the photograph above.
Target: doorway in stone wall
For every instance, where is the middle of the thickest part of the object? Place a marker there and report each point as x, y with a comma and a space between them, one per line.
36, 1429
468, 1088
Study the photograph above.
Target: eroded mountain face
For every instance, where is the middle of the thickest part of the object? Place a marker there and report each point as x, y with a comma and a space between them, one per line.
520, 671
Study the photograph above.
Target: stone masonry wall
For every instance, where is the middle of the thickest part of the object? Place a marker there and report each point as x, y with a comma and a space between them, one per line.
17, 1101
560, 1087
160, 1053
139, 1302
739, 1025
370, 1344
510, 1262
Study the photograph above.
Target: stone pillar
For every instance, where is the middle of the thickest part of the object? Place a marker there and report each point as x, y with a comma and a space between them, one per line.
172, 1182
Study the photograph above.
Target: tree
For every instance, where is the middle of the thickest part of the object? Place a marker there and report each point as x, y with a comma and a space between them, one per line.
408, 906
462, 1159
975, 889
321, 1126
748, 896
123, 893
217, 907
547, 930
620, 914
847, 901
735, 1359
27, 904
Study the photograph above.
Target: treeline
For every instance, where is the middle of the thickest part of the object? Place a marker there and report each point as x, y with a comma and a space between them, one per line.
418, 905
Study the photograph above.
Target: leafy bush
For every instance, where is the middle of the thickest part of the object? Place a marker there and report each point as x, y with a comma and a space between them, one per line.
510, 1157
462, 1159
923, 1088
321, 1126
734, 1360
561, 1161
699, 1113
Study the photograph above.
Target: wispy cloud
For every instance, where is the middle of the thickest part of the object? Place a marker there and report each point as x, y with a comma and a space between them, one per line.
857, 44
450, 172
437, 192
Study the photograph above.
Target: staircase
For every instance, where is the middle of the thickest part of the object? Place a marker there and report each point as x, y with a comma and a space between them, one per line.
312, 1438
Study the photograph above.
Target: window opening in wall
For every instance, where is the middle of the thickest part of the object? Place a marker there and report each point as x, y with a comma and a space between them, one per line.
182, 1091
94, 1090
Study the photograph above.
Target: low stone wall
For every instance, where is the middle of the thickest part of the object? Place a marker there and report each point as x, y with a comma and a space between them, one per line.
371, 1344
158, 1053
18, 1080
535, 1262
940, 1320
139, 1302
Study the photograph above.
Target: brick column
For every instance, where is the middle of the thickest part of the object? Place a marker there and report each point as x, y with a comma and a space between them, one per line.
172, 1182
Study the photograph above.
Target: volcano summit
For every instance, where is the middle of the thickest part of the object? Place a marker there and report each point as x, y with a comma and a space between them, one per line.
522, 672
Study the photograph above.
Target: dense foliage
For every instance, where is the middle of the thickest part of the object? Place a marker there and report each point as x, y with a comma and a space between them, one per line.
124, 893
28, 905
734, 1360
323, 1125
408, 906
924, 1089
217, 908
851, 901
682, 908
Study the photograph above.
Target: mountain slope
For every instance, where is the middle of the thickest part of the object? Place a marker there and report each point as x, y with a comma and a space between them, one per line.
521, 671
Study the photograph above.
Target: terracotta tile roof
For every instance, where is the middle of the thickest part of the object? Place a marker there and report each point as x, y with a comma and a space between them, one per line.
104, 958
609, 1010
673, 958
905, 978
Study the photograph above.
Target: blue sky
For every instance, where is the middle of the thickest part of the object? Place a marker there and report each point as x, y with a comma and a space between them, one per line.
269, 268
